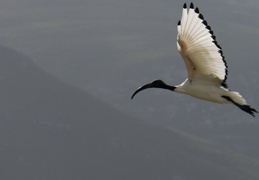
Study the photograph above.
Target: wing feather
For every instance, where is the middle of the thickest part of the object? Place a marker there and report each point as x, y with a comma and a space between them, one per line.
198, 47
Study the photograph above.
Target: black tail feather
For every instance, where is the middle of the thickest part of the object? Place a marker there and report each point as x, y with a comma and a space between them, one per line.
245, 107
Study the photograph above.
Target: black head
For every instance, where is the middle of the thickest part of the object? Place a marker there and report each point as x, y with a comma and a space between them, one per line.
154, 84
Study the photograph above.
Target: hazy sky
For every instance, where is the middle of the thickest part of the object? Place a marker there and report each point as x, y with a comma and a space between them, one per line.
110, 47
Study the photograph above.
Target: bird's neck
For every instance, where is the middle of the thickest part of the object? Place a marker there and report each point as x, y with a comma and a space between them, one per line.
165, 86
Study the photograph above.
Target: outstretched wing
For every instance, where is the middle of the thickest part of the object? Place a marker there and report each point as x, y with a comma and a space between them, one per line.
198, 47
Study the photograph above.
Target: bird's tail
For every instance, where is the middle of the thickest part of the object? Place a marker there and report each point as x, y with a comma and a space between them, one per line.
239, 101
236, 97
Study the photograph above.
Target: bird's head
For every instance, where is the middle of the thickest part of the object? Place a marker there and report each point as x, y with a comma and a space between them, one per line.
154, 84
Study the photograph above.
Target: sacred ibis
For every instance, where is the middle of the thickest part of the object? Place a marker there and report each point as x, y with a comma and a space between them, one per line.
204, 61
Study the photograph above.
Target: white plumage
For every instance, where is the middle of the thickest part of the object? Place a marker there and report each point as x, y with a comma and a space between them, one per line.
195, 44
204, 61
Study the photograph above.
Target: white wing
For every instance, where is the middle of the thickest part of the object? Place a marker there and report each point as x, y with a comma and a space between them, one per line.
198, 47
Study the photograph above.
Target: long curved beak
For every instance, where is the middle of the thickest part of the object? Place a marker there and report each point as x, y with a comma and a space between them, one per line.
155, 84
149, 85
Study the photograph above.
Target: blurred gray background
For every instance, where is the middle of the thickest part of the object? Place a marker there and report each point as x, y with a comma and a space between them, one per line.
68, 69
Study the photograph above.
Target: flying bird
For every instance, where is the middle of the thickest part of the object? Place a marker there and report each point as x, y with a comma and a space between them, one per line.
204, 61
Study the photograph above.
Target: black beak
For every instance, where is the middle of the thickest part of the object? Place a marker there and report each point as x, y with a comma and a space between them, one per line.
149, 85
154, 84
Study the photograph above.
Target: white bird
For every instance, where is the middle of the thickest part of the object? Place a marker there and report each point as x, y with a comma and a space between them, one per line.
204, 61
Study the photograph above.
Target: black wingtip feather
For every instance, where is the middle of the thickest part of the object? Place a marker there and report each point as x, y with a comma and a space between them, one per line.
184, 6
205, 22
191, 5
223, 84
201, 16
197, 10
218, 46
208, 27
179, 23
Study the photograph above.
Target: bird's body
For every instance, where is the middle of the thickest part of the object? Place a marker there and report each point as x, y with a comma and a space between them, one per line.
209, 92
204, 61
